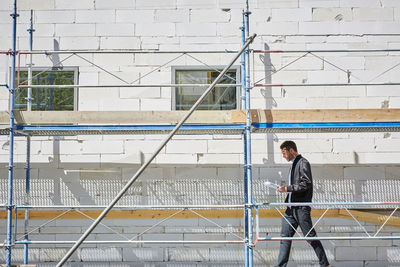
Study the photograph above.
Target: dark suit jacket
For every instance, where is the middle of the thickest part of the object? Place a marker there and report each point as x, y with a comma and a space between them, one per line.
301, 181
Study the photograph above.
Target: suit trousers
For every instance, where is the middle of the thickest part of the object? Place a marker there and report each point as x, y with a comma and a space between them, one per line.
294, 217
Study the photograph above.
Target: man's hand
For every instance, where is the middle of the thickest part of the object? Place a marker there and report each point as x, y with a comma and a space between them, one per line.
282, 189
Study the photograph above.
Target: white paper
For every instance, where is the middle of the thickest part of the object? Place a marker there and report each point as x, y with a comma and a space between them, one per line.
272, 185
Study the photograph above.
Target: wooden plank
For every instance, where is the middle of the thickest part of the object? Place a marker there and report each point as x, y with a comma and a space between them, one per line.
318, 115
371, 217
155, 214
201, 116
115, 117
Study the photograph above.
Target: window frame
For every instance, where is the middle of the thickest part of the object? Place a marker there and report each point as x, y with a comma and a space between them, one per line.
47, 69
204, 68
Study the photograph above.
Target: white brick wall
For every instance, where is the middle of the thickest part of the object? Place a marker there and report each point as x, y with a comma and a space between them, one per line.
155, 4
119, 42
110, 104
95, 16
277, 28
319, 3
225, 146
360, 3
198, 173
346, 63
155, 104
133, 146
382, 91
305, 63
55, 16
79, 43
364, 173
332, 14
197, 4
35, 5
325, 27
155, 29
196, 29
74, 4
181, 158
140, 92
207, 15
121, 29
119, 160
95, 147
277, 3
171, 15
75, 29
291, 14
213, 159
350, 145
373, 14
180, 146
367, 102
135, 16
106, 4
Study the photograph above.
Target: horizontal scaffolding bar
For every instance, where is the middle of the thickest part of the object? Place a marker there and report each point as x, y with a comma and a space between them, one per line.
126, 85
234, 206
327, 203
141, 207
236, 128
324, 84
127, 51
130, 242
326, 127
329, 238
128, 129
133, 51
327, 51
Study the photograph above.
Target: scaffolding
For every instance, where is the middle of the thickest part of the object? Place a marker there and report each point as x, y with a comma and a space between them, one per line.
247, 125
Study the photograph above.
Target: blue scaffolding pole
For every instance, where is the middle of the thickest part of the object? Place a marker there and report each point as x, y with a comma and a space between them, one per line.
248, 216
10, 207
28, 145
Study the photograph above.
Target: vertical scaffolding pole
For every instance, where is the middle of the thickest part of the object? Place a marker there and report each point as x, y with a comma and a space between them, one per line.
28, 145
243, 68
246, 211
247, 154
29, 96
10, 206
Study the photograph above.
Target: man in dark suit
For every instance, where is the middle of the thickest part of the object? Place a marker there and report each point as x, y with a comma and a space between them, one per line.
299, 189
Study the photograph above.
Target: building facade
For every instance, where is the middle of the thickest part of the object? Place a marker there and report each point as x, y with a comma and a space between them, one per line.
202, 169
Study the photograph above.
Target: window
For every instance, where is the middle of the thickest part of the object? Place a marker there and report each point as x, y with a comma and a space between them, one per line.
48, 98
220, 98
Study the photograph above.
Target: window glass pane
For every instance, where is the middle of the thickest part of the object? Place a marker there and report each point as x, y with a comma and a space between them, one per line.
220, 98
47, 98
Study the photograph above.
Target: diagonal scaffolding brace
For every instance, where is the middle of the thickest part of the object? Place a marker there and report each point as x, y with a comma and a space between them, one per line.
160, 147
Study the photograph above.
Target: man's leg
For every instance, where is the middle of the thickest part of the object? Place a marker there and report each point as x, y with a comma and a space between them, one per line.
304, 217
288, 223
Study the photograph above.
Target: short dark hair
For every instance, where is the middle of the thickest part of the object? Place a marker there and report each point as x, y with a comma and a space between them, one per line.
288, 145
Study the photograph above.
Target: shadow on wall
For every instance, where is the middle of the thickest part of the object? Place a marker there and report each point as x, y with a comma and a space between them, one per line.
68, 191
270, 103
